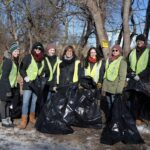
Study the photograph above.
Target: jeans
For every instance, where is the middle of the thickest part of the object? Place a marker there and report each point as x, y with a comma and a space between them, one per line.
110, 99
27, 94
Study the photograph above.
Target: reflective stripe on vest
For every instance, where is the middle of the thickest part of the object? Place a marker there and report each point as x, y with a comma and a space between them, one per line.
94, 73
75, 74
50, 67
141, 64
13, 75
112, 69
33, 71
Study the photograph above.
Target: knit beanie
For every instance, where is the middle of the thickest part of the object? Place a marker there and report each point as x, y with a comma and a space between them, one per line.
50, 46
141, 37
13, 47
117, 47
38, 45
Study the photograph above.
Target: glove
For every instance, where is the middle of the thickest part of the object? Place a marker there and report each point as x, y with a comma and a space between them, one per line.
8, 94
26, 79
55, 89
136, 78
99, 85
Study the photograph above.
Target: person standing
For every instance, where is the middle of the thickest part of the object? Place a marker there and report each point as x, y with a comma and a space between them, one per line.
69, 69
94, 66
31, 68
138, 70
8, 83
52, 61
114, 77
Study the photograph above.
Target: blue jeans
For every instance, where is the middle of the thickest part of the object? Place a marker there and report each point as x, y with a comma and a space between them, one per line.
26, 100
110, 99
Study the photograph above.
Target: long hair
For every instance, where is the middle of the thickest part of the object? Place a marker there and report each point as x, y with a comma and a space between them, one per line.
67, 48
98, 57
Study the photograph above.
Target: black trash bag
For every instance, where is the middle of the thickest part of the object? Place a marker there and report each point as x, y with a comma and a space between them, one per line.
144, 91
138, 86
87, 113
50, 119
121, 126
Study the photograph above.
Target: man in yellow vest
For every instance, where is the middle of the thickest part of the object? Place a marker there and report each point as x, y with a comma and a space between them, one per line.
139, 70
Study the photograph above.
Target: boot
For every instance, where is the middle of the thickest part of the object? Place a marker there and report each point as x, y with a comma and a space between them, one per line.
5, 123
139, 122
10, 121
32, 117
23, 123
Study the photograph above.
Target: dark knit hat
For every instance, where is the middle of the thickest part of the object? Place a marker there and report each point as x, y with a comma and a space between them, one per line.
38, 45
141, 37
13, 47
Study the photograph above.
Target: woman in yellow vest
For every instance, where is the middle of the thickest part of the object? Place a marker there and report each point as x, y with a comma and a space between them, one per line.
8, 83
52, 61
31, 68
115, 75
69, 69
94, 66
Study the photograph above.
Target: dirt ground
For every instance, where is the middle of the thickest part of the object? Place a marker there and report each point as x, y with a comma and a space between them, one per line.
81, 139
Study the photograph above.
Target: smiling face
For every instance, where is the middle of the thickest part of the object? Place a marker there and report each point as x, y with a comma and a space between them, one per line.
93, 53
69, 53
15, 53
51, 52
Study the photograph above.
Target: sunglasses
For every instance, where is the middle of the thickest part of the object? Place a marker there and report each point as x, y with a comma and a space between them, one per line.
39, 48
114, 50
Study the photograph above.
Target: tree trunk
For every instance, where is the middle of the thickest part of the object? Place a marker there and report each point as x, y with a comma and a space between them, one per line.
99, 23
126, 30
147, 23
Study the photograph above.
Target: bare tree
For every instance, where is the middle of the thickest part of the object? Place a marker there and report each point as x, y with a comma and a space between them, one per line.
126, 29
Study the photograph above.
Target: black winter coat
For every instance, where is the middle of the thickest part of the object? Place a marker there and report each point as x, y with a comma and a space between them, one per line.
67, 71
145, 74
24, 66
5, 86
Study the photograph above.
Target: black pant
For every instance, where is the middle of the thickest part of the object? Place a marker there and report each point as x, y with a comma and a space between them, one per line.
4, 109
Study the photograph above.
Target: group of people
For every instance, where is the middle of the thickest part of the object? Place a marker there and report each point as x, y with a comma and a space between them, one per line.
109, 75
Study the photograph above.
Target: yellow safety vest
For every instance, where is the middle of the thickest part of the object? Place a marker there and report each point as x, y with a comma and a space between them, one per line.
12, 75
75, 75
33, 71
94, 73
141, 64
112, 69
50, 67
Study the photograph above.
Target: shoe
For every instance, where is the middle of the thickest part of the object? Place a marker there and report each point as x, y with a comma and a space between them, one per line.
6, 124
139, 122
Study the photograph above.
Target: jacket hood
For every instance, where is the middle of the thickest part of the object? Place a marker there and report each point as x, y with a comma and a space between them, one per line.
7, 55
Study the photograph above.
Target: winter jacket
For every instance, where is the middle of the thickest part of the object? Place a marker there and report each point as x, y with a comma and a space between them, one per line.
5, 87
145, 74
101, 70
116, 86
67, 71
52, 60
23, 68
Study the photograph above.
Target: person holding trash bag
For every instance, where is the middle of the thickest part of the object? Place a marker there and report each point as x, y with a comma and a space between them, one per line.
52, 60
120, 125
114, 77
8, 83
31, 68
94, 67
69, 69
138, 72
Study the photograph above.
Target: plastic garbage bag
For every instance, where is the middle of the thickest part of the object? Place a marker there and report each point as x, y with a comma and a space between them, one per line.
121, 126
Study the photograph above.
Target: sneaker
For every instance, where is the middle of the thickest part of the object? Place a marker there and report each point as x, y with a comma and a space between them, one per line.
6, 124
